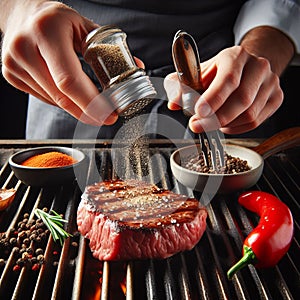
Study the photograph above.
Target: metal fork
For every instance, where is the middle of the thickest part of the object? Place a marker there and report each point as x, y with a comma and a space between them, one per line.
187, 64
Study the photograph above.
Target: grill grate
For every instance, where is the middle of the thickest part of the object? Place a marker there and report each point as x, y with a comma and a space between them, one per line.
72, 273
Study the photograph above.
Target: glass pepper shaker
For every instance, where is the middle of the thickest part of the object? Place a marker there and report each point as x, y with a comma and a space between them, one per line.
128, 87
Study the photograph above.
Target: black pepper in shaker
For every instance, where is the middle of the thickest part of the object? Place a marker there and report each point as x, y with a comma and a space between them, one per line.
128, 87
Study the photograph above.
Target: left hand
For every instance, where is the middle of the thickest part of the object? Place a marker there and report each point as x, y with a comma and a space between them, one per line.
241, 92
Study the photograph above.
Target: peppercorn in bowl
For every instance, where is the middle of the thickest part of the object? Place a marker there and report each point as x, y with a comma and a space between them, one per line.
243, 167
47, 166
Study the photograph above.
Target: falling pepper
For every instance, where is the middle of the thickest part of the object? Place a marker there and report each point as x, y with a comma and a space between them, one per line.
271, 239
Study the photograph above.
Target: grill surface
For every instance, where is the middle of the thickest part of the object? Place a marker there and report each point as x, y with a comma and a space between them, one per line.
196, 274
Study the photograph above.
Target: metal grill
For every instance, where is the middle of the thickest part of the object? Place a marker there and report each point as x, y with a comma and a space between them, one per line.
72, 273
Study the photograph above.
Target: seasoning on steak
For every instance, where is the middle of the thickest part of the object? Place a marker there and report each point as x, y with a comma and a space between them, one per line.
135, 220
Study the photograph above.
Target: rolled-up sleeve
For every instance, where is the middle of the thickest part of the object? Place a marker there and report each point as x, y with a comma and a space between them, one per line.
281, 14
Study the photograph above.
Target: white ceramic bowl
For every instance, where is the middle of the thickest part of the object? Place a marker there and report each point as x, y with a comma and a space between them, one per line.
221, 183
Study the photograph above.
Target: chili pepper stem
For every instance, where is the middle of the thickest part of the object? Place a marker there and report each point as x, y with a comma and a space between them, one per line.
248, 258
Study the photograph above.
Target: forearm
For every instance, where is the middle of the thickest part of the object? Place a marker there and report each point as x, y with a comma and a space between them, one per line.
272, 44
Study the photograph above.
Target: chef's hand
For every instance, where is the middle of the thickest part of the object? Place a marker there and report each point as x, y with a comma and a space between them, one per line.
41, 39
242, 89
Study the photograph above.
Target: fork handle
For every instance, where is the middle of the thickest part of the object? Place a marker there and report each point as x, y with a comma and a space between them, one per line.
187, 64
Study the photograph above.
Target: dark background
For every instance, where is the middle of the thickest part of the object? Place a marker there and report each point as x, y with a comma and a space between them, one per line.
14, 109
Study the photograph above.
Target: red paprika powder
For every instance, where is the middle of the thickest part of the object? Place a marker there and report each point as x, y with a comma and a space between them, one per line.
49, 160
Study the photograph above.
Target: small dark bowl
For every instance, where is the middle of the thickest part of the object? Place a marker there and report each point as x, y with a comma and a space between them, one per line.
43, 177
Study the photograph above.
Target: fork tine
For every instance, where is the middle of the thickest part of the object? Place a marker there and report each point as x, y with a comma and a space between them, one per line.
218, 146
204, 148
212, 149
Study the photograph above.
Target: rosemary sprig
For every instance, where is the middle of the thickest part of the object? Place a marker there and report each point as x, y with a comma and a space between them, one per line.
54, 223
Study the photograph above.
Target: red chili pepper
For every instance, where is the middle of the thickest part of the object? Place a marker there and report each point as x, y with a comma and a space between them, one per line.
271, 239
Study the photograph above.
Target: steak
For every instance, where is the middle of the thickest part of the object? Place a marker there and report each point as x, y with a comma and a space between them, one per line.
131, 219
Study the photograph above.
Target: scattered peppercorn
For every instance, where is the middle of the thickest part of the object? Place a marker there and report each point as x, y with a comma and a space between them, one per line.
20, 262
2, 262
74, 244
33, 260
22, 241
27, 242
39, 251
29, 250
55, 263
40, 258
13, 241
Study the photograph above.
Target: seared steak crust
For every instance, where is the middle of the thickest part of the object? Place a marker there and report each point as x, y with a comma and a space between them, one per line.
135, 220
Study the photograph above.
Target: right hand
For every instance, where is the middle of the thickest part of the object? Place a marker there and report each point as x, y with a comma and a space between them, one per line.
40, 42
241, 92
